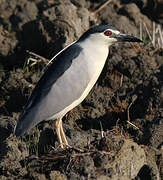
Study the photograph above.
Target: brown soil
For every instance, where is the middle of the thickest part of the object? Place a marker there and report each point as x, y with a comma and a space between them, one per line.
132, 77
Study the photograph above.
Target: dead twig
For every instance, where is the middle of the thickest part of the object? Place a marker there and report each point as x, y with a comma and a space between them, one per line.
154, 33
128, 112
128, 109
102, 6
88, 142
161, 35
36, 59
156, 37
102, 131
91, 152
132, 125
44, 60
121, 80
151, 53
50, 61
141, 31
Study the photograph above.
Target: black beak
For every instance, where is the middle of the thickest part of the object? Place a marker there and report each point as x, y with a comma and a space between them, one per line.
127, 38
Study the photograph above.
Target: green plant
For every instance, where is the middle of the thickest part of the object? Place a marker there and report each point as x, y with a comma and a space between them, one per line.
32, 142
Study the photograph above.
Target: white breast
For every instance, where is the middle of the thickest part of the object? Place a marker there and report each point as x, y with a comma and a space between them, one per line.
94, 58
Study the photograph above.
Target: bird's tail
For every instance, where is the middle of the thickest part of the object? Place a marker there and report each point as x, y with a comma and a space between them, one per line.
20, 129
25, 123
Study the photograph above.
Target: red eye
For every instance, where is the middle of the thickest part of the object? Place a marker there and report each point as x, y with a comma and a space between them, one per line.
107, 33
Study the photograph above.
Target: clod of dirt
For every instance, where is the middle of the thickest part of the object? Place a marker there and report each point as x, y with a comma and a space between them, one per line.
57, 175
128, 161
154, 7
66, 28
10, 165
125, 163
8, 42
132, 70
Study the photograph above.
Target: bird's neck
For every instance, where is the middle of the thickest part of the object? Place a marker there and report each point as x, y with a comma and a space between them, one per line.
95, 55
96, 49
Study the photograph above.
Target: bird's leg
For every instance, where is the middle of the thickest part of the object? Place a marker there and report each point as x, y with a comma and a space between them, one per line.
58, 131
64, 140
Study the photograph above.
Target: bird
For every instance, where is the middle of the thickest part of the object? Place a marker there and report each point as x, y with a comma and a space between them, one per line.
69, 79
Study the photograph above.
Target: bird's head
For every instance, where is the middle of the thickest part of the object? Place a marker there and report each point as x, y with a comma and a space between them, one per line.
108, 35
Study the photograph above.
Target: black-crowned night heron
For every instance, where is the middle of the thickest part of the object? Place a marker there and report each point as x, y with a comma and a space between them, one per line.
69, 79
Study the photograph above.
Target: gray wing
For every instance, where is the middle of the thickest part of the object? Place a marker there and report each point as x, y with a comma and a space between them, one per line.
57, 89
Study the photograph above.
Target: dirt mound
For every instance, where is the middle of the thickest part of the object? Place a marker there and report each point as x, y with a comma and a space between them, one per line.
117, 131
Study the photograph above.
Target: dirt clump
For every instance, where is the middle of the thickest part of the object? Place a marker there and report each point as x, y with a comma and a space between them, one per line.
117, 131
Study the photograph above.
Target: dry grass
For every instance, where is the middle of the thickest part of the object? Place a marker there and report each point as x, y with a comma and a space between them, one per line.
155, 37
